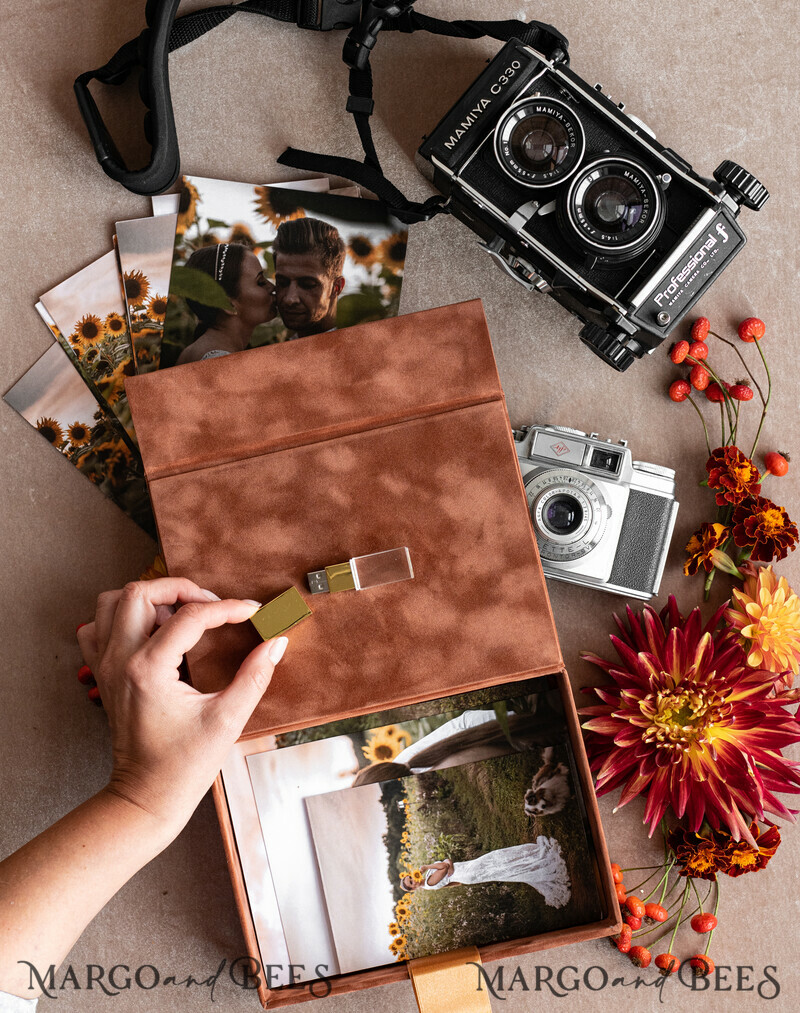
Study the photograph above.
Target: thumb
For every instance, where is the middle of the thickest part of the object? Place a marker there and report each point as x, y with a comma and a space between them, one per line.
239, 700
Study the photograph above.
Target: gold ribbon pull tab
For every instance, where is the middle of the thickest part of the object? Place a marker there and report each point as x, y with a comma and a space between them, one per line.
450, 983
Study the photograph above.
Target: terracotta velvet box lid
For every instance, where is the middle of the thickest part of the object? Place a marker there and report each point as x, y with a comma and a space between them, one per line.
274, 462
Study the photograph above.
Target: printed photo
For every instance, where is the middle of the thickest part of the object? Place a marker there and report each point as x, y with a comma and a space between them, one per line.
461, 855
145, 249
53, 398
255, 265
488, 810
88, 312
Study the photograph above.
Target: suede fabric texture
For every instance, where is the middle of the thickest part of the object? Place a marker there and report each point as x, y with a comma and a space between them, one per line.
277, 461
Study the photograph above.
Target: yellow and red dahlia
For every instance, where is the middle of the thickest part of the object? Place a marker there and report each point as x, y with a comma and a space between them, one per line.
766, 612
733, 474
765, 528
690, 724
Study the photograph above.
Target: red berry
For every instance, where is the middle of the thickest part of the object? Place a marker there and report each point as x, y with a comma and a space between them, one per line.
679, 390
667, 963
699, 350
704, 922
616, 872
752, 329
714, 392
636, 906
776, 462
679, 351
699, 377
640, 956
741, 391
622, 941
622, 893
701, 964
700, 329
656, 912
634, 922
94, 695
85, 676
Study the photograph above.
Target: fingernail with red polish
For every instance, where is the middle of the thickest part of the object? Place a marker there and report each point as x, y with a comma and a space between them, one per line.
85, 675
80, 626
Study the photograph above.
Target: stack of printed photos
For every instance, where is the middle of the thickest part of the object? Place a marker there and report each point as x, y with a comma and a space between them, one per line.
219, 268
419, 830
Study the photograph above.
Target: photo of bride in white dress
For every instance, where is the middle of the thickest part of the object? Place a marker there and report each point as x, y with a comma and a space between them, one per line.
540, 865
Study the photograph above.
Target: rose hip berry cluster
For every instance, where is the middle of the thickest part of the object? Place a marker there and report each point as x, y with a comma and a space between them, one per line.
643, 917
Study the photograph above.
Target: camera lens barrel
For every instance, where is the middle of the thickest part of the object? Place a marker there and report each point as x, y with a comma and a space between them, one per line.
613, 208
539, 141
568, 513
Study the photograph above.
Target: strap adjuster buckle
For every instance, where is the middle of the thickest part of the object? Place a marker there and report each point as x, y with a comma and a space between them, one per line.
327, 15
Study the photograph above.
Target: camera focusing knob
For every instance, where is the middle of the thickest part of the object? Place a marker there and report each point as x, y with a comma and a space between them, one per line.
607, 345
742, 185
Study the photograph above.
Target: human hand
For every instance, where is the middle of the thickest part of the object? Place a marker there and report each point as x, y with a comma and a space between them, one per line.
168, 740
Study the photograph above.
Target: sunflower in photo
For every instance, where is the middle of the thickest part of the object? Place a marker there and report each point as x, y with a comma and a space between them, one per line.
114, 324
157, 307
137, 287
79, 434
91, 356
187, 206
277, 206
242, 235
51, 430
74, 339
383, 744
89, 328
362, 250
392, 251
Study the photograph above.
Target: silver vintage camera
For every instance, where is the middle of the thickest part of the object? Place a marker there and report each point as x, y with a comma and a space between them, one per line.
601, 519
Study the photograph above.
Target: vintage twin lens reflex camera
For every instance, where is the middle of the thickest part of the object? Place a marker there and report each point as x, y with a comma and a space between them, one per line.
575, 198
601, 519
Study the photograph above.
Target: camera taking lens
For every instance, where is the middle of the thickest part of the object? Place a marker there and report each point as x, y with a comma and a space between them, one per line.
563, 515
613, 208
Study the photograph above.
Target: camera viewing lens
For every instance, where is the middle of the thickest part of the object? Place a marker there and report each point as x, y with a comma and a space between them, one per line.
539, 141
563, 514
613, 208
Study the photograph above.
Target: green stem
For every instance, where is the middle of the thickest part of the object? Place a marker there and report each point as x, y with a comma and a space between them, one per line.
736, 426
690, 399
707, 584
766, 402
728, 400
678, 922
666, 880
744, 363
722, 420
638, 886
716, 908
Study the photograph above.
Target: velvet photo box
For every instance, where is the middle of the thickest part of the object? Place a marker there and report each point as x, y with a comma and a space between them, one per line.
274, 462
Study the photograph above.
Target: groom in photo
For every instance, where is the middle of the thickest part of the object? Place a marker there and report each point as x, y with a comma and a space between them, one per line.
309, 259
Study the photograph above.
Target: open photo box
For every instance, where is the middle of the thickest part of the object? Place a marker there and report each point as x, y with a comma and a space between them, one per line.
281, 460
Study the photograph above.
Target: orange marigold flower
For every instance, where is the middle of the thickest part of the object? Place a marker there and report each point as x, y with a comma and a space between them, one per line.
741, 857
733, 474
766, 527
766, 612
698, 854
688, 723
702, 544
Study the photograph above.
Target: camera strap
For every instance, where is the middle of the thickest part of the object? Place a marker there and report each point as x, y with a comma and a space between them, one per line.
149, 54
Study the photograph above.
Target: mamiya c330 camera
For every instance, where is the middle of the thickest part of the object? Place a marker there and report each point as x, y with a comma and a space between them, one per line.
575, 198
601, 519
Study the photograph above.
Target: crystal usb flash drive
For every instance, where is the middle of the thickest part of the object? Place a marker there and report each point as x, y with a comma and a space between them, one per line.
363, 571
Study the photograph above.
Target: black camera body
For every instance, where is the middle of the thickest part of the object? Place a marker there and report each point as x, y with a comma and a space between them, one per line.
575, 198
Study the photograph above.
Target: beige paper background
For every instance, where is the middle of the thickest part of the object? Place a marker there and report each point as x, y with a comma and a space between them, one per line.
715, 81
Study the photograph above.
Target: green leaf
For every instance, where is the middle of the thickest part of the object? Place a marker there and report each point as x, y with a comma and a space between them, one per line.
189, 283
216, 223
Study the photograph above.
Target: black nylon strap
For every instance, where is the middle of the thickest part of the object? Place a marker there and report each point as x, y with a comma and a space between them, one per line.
546, 39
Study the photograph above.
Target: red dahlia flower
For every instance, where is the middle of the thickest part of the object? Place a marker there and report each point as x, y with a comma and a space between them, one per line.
766, 527
689, 723
735, 475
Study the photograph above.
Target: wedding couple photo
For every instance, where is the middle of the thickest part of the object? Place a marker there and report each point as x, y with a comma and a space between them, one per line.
255, 265
453, 822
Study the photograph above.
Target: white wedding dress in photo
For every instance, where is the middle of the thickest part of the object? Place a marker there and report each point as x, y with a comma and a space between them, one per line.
540, 865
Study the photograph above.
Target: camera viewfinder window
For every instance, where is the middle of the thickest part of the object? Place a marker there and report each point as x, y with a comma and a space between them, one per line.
605, 460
